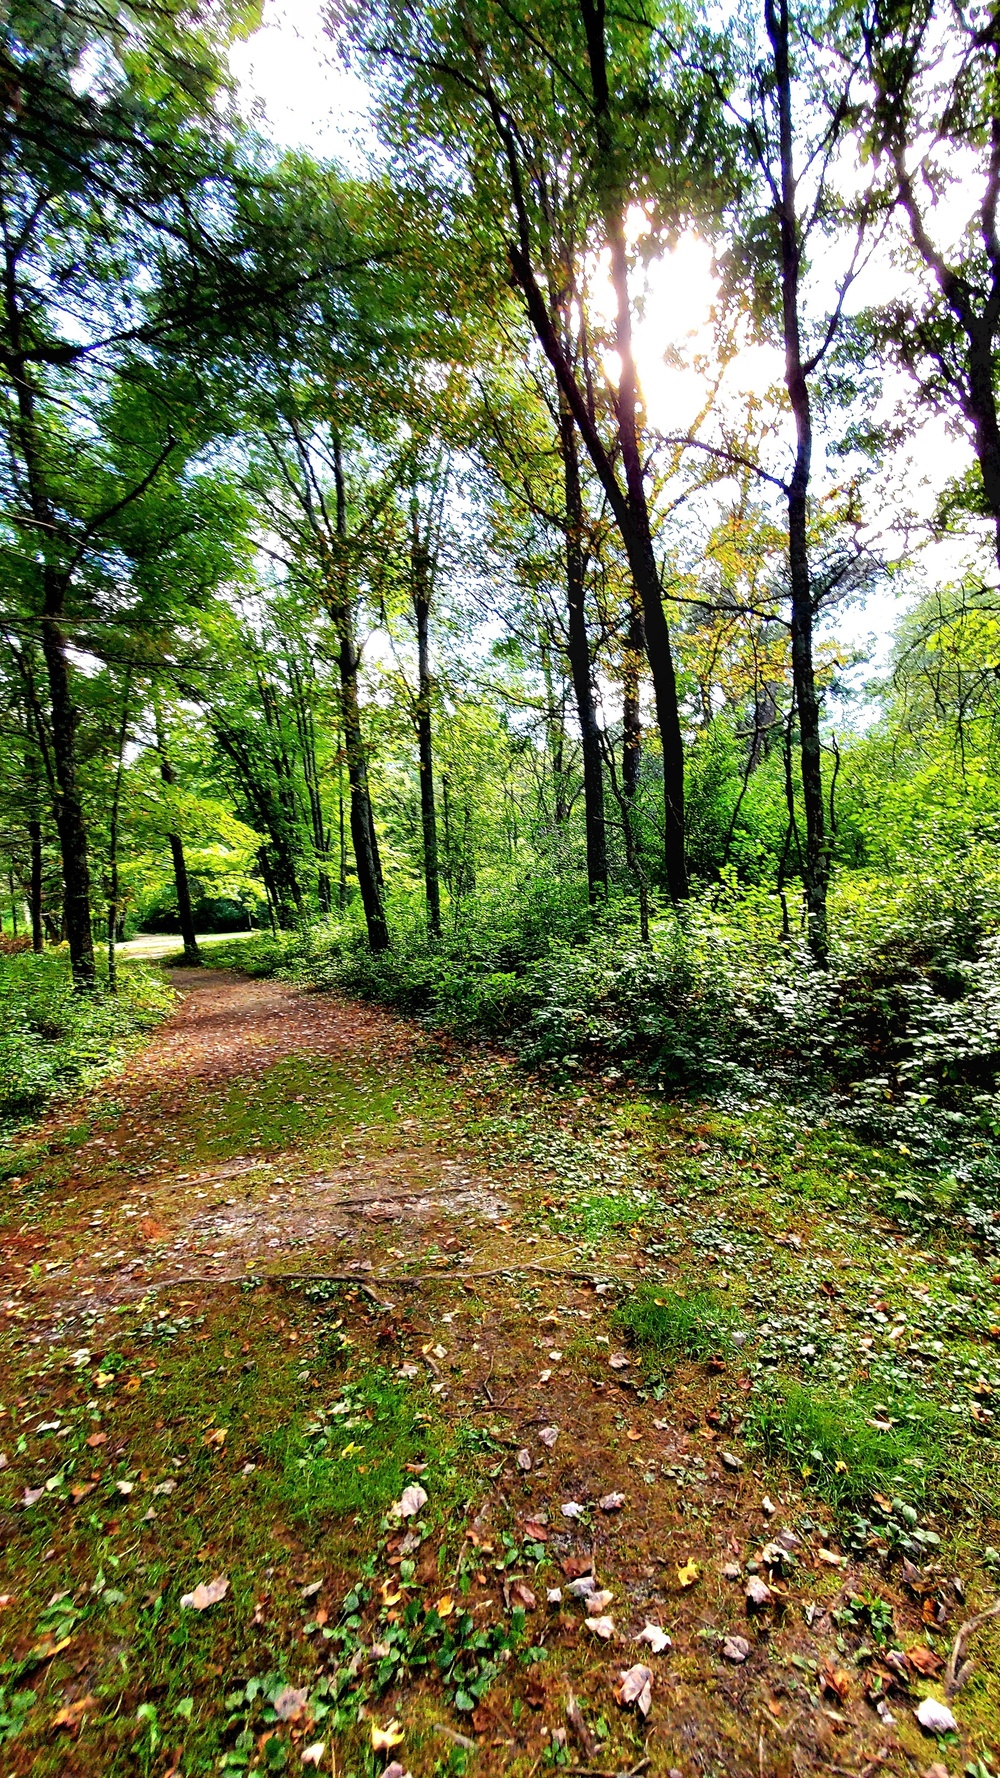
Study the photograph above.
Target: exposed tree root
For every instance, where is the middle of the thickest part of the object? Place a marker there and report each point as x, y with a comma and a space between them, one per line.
958, 1671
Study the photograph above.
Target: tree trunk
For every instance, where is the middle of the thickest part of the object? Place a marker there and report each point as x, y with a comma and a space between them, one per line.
366, 858
981, 407
635, 649
35, 886
579, 663
192, 955
816, 864
362, 828
113, 887
629, 506
646, 577
425, 749
341, 833
70, 823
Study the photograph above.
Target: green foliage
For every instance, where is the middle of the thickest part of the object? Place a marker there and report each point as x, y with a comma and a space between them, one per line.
352, 1457
670, 1325
900, 1037
53, 1041
14, 1708
850, 1448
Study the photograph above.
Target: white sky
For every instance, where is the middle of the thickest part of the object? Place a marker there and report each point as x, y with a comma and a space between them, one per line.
288, 73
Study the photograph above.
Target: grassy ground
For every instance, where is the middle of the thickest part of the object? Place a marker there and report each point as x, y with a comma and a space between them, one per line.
302, 1259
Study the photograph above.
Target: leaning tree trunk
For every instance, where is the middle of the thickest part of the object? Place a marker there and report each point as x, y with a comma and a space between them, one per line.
646, 576
192, 955
579, 662
816, 861
425, 741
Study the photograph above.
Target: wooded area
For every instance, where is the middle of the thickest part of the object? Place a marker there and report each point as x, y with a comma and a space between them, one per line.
353, 589
450, 569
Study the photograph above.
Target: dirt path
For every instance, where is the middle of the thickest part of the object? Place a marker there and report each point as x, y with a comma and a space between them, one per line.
455, 1245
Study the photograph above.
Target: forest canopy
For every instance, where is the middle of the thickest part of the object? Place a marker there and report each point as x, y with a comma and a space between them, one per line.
392, 567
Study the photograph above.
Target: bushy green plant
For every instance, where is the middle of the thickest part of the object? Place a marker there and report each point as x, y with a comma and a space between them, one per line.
900, 1037
53, 1040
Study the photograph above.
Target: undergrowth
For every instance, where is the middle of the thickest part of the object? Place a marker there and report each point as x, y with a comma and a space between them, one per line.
54, 1041
851, 1449
899, 1039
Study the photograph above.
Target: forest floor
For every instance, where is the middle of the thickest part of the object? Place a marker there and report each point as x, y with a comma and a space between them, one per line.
337, 1364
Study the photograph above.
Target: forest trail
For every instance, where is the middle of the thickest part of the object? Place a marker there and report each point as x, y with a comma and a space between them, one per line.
455, 1243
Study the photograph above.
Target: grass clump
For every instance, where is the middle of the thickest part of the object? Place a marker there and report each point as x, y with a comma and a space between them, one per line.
352, 1457
850, 1448
674, 1326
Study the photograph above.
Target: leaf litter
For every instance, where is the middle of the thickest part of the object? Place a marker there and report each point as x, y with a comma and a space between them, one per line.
660, 1457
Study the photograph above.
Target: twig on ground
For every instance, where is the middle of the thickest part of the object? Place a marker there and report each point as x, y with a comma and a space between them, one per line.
606, 1772
273, 1278
398, 1281
441, 1728
958, 1671
575, 1718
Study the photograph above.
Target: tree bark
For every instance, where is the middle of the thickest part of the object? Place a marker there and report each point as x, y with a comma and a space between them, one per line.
981, 407
35, 886
816, 863
192, 955
113, 915
579, 662
631, 717
425, 741
70, 824
629, 506
366, 858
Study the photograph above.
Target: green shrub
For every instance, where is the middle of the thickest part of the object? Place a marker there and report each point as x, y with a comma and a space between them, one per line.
54, 1041
899, 1038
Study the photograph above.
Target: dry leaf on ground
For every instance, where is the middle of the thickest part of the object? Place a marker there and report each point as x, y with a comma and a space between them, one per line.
636, 1687
736, 1649
935, 1717
290, 1703
206, 1593
410, 1501
384, 1739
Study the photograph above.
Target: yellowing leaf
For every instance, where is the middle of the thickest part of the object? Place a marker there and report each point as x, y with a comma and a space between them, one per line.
445, 1605
688, 1574
384, 1739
